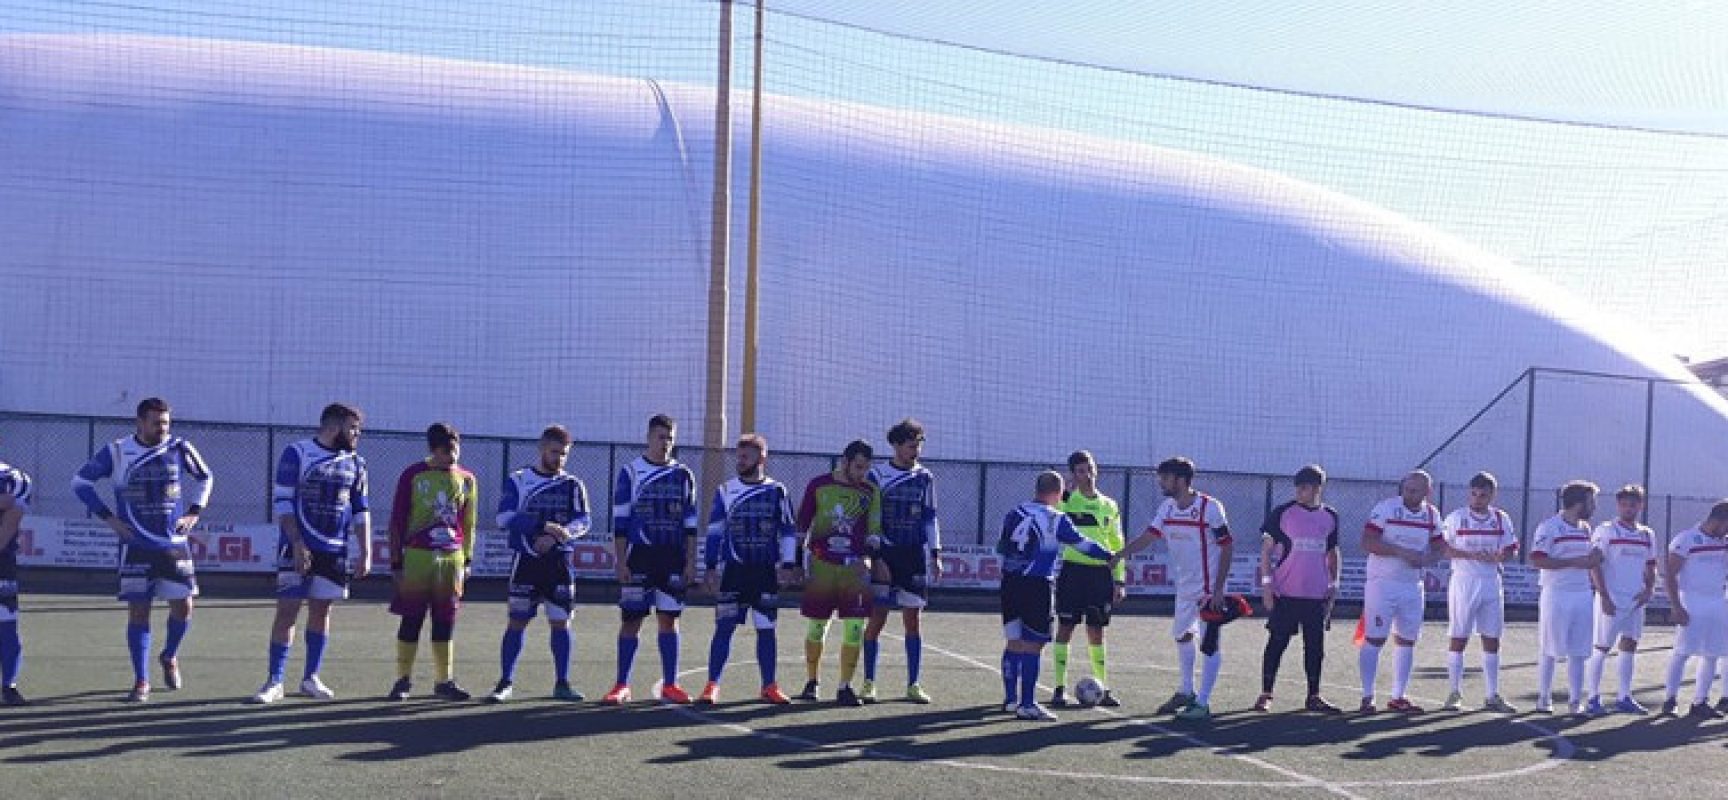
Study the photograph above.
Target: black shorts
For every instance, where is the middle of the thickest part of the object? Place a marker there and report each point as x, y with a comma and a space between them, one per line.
745, 588
1084, 593
900, 581
656, 581
9, 584
548, 579
1290, 614
1026, 606
326, 580
165, 574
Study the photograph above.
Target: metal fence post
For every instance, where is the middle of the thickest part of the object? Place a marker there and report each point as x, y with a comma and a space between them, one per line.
983, 496
1529, 453
1649, 436
269, 470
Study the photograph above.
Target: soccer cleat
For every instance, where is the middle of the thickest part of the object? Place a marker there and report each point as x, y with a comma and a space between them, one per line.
170, 672
11, 696
1722, 705
563, 691
1627, 705
867, 692
1318, 705
1109, 700
1544, 705
267, 694
619, 695
501, 693
674, 694
1402, 705
1594, 708
314, 688
140, 692
1058, 698
1454, 701
1195, 712
401, 689
916, 694
450, 691
1011, 706
710, 694
1669, 707
772, 694
1498, 704
1034, 712
1263, 703
811, 690
1703, 711
1367, 706
847, 697
1177, 702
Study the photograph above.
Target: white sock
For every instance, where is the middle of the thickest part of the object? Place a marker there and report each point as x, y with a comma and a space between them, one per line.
1593, 676
1676, 670
1209, 676
1625, 662
1185, 665
1544, 680
1368, 662
1491, 673
1706, 679
1575, 680
1455, 670
1403, 661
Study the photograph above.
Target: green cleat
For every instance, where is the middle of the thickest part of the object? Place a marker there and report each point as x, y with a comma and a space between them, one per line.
563, 691
916, 694
867, 692
1195, 712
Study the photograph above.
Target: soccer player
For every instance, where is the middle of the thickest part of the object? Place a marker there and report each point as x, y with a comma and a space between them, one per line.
654, 539
431, 545
1625, 581
320, 500
1402, 536
1298, 577
161, 485
1561, 549
1033, 535
752, 550
1087, 589
15, 491
543, 510
911, 547
838, 514
1479, 538
1198, 533
1697, 565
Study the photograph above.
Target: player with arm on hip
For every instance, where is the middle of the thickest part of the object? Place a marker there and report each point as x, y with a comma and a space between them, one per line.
161, 486
1479, 538
1561, 549
1087, 588
16, 489
320, 499
432, 528
1624, 581
1402, 537
1697, 565
910, 550
839, 513
1298, 576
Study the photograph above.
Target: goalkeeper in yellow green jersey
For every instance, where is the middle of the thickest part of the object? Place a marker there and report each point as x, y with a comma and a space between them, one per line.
1087, 588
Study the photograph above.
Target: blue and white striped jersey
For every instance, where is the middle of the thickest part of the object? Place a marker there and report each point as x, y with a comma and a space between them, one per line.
1032, 539
326, 490
908, 506
531, 499
150, 487
654, 504
751, 523
15, 483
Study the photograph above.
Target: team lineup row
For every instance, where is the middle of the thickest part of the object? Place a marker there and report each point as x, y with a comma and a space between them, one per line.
863, 541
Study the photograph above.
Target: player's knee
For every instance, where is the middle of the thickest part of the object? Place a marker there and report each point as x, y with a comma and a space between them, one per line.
816, 630
762, 622
853, 633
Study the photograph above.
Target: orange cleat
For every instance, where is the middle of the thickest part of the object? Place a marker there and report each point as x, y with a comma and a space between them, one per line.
619, 695
772, 694
674, 694
710, 694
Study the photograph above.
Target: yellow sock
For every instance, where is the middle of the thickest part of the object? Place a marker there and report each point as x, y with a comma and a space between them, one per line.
848, 662
812, 657
405, 657
444, 658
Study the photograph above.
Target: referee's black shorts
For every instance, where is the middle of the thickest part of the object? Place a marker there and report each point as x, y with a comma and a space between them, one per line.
1084, 593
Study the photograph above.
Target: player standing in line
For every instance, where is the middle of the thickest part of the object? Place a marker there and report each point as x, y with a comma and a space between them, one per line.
654, 541
1087, 588
543, 510
1697, 565
911, 539
752, 550
1033, 535
1299, 567
432, 528
1561, 549
1479, 538
320, 498
151, 472
15, 490
839, 513
1198, 533
1402, 536
1625, 581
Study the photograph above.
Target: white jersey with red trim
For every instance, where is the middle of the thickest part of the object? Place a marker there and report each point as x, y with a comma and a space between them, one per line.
1557, 538
1626, 550
1488, 532
1401, 527
1705, 566
1194, 535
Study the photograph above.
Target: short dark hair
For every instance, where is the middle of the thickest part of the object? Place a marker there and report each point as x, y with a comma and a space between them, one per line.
1719, 512
1310, 475
1575, 492
555, 433
857, 447
662, 421
1180, 466
1048, 481
755, 440
338, 413
1079, 457
441, 435
1484, 480
1630, 491
905, 431
152, 405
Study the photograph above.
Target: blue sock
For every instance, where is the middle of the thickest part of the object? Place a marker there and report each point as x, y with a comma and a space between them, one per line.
176, 634
561, 646
138, 642
720, 649
872, 648
626, 657
767, 651
914, 657
315, 644
278, 662
1028, 679
1010, 675
11, 653
509, 652
668, 641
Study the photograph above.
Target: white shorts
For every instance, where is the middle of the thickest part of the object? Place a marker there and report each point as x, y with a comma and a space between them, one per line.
1706, 630
1563, 620
1474, 606
1627, 623
1185, 619
1392, 607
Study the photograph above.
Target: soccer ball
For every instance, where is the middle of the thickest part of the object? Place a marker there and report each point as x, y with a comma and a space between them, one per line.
1088, 691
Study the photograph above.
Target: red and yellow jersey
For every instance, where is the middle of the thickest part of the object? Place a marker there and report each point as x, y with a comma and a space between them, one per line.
435, 509
838, 518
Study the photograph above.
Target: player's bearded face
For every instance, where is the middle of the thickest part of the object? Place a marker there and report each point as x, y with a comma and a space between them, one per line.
153, 428
1630, 508
1170, 485
1413, 492
347, 435
749, 459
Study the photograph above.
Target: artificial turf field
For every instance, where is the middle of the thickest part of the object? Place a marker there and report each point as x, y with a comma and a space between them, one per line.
77, 739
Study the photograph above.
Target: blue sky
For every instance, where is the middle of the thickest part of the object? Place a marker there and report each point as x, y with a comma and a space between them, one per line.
1635, 222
